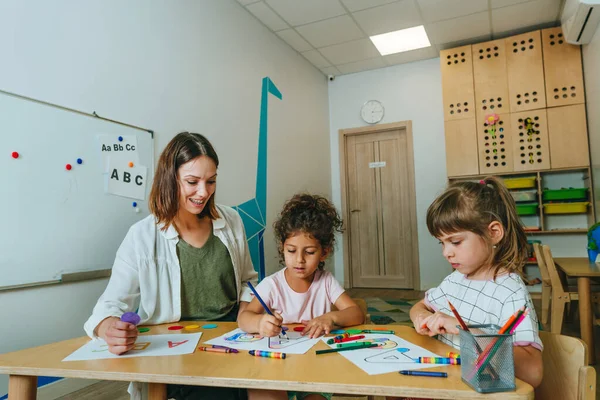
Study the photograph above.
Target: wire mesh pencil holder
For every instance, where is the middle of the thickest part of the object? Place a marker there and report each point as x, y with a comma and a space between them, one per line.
487, 363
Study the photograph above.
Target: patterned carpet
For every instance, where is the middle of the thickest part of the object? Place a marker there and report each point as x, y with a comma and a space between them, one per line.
389, 311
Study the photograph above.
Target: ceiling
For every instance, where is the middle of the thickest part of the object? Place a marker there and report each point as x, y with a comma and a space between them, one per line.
334, 34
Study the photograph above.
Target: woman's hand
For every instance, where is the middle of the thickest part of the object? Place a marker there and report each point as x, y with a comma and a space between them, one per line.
318, 326
120, 336
270, 325
439, 323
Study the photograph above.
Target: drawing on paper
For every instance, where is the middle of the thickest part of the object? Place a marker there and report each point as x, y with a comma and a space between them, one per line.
243, 337
287, 340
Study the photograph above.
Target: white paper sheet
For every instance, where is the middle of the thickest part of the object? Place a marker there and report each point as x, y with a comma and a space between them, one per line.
386, 357
294, 343
146, 345
126, 181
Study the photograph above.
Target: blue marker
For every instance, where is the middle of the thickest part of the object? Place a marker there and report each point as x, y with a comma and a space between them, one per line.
262, 303
426, 373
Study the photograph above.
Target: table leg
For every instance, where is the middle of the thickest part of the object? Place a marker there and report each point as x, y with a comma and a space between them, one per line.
21, 387
157, 391
586, 318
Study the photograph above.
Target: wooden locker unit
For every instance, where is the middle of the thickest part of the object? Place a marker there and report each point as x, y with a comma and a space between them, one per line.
567, 131
495, 144
530, 140
489, 77
461, 147
525, 72
457, 83
563, 70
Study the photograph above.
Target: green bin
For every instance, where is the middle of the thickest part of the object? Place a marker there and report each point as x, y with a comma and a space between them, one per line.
565, 194
527, 208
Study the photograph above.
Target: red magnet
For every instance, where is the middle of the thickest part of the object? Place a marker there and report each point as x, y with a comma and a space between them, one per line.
15, 154
68, 167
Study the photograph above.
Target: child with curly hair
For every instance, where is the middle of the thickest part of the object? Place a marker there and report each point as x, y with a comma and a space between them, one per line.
303, 292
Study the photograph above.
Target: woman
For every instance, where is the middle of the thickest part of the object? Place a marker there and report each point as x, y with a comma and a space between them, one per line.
188, 260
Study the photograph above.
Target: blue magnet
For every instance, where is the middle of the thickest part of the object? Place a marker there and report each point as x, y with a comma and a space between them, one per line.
134, 204
120, 138
79, 161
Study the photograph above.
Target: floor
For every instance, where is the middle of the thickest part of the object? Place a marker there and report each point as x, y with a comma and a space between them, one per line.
382, 304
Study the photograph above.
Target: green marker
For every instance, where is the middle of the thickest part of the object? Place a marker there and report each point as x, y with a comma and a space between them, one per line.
376, 331
345, 349
354, 344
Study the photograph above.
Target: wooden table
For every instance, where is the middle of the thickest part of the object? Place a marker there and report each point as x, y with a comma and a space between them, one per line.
330, 373
582, 269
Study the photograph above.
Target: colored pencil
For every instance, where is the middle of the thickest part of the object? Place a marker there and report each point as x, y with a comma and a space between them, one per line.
262, 303
458, 318
491, 349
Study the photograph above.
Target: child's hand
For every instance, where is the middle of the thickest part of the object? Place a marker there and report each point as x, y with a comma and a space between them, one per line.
421, 323
318, 326
270, 325
440, 323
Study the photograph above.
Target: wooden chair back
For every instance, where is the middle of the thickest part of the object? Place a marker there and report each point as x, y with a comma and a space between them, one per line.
539, 256
559, 282
362, 304
566, 373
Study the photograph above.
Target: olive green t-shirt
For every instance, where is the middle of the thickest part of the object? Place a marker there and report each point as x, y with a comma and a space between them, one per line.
208, 290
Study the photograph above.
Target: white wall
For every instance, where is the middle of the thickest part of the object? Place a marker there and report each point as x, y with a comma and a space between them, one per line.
414, 92
168, 66
408, 92
591, 66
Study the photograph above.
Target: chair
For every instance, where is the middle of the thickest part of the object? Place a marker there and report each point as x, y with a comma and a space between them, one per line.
561, 295
566, 373
362, 304
546, 284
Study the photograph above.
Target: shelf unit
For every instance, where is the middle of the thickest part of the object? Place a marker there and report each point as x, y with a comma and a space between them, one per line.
552, 179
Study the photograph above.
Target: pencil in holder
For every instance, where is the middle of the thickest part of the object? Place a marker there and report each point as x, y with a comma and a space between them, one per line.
487, 363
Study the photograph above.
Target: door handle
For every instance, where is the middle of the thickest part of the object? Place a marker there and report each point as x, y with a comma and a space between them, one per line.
355, 210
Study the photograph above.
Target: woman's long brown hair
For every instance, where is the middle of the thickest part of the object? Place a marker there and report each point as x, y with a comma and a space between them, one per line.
164, 196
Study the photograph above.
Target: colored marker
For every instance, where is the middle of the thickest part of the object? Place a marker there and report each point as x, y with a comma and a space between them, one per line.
131, 317
376, 331
299, 328
438, 360
351, 338
355, 344
426, 373
452, 354
345, 349
215, 350
262, 303
268, 354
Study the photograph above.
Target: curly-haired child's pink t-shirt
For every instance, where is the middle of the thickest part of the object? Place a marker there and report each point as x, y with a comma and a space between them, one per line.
295, 307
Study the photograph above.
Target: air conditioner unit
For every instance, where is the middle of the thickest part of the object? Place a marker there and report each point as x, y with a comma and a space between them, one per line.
579, 20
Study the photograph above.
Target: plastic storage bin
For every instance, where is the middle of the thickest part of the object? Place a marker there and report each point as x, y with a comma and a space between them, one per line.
520, 183
487, 363
525, 195
565, 194
566, 208
527, 208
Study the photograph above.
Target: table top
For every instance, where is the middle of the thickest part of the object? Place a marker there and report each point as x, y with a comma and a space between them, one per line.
578, 266
331, 373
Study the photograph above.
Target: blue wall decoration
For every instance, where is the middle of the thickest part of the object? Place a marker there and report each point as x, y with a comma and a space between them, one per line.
254, 211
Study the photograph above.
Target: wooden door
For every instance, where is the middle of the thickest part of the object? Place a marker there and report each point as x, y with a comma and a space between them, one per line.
381, 208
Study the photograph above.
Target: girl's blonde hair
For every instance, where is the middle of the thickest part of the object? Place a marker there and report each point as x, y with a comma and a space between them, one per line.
471, 206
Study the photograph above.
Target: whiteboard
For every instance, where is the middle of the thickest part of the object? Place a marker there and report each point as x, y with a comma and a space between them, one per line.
58, 221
